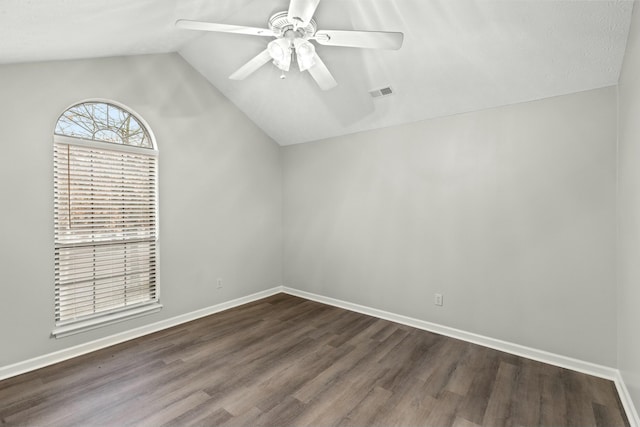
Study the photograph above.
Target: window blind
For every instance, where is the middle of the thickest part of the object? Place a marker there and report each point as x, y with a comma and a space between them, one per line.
105, 222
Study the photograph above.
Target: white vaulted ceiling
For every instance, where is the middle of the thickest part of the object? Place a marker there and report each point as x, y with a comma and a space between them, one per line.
458, 55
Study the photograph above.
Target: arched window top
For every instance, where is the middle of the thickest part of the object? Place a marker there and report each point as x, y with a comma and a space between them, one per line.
105, 122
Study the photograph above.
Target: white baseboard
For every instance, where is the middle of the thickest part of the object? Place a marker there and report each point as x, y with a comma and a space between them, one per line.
78, 350
589, 368
627, 403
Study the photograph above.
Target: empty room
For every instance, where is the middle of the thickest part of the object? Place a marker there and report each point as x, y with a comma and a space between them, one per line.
320, 212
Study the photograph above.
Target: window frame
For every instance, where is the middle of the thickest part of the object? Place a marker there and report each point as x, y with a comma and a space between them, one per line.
72, 326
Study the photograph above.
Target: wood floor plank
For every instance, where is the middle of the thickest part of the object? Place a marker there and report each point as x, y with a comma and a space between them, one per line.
461, 422
527, 394
605, 394
338, 369
499, 406
445, 412
475, 404
437, 382
554, 407
461, 378
330, 405
204, 414
283, 414
605, 416
248, 418
579, 399
287, 361
367, 409
408, 405
173, 410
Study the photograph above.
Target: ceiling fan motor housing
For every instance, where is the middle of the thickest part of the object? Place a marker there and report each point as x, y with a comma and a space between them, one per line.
280, 24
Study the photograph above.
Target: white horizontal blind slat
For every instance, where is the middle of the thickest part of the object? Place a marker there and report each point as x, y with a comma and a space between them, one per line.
105, 221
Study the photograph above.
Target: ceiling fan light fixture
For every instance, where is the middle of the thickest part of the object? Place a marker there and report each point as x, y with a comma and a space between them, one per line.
305, 54
280, 52
293, 30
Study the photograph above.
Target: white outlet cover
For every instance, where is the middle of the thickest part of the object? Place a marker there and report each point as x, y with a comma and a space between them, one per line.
437, 299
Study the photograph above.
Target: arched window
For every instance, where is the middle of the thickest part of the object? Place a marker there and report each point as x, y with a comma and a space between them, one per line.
101, 121
105, 217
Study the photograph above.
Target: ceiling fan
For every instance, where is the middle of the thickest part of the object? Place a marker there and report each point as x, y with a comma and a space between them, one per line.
293, 31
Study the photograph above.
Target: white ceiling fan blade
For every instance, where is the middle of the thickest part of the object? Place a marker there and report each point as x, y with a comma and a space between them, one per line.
223, 28
251, 66
322, 75
301, 11
364, 39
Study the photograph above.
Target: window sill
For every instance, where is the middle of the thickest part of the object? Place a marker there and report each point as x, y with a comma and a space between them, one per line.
98, 322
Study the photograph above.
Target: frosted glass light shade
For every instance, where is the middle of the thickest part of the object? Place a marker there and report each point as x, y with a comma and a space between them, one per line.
305, 54
280, 51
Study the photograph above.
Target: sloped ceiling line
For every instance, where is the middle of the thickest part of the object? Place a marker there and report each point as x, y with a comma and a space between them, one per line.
458, 56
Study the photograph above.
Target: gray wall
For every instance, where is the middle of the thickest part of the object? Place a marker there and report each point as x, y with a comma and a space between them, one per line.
220, 191
629, 213
509, 212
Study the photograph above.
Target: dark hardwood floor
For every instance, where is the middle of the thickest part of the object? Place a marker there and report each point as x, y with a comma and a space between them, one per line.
286, 361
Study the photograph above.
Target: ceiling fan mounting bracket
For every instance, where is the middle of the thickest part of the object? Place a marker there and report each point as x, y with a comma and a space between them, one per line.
282, 26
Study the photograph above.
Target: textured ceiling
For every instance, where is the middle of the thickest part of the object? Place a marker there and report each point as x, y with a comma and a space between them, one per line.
40, 30
458, 55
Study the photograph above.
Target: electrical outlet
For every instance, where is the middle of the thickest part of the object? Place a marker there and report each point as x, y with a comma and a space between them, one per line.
219, 283
437, 299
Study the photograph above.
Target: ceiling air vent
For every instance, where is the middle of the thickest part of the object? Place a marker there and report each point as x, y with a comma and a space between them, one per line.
377, 93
